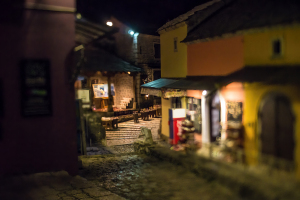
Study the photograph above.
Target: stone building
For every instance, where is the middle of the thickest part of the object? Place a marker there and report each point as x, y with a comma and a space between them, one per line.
142, 50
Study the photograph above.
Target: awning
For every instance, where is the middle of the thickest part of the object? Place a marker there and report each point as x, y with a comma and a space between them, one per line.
153, 87
195, 83
159, 83
265, 74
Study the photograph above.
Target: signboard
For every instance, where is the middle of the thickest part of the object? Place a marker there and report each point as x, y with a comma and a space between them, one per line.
101, 90
173, 93
234, 111
84, 95
151, 91
36, 88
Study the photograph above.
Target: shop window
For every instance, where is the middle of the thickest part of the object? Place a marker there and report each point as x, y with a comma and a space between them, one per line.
175, 45
176, 102
157, 51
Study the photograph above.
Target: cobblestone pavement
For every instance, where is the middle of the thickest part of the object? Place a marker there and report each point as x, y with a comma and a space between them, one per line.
141, 177
52, 186
121, 140
129, 131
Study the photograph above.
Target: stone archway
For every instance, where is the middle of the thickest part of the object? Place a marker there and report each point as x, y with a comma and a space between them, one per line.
277, 127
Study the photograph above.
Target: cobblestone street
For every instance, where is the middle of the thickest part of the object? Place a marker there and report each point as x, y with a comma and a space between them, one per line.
142, 177
129, 131
122, 139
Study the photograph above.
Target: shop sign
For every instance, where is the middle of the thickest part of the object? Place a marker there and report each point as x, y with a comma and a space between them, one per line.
151, 91
234, 111
173, 93
36, 88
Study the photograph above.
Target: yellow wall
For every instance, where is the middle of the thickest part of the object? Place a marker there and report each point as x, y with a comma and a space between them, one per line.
166, 105
258, 47
254, 93
173, 64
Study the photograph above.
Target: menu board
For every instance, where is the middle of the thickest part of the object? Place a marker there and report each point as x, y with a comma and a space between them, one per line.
101, 90
36, 88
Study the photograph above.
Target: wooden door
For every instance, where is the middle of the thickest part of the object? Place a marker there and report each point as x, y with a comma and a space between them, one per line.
277, 128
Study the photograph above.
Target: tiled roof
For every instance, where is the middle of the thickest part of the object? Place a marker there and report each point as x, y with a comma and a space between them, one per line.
240, 15
266, 74
185, 16
102, 60
87, 32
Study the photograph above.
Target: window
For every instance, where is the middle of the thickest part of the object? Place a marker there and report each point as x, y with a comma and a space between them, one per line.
176, 102
156, 50
175, 45
277, 48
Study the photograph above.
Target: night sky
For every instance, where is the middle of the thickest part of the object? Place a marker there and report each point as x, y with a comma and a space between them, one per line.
144, 16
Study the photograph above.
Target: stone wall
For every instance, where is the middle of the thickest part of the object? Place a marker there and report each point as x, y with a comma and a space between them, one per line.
146, 51
123, 87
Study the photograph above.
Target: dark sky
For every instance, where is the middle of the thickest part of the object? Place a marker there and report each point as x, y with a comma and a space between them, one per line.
144, 16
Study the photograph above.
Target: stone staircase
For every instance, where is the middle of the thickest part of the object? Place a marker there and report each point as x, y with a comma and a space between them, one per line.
124, 102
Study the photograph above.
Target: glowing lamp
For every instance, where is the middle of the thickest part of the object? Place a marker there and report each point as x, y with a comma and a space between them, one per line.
109, 23
147, 95
204, 92
131, 32
128, 72
78, 16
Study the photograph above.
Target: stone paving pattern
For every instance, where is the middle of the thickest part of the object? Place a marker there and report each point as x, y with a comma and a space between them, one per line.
121, 140
129, 131
142, 177
52, 186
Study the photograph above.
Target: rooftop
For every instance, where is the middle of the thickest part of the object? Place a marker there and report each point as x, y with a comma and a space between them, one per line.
238, 15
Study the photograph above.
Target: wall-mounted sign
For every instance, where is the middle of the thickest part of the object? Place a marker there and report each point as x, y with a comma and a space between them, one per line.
173, 93
36, 88
234, 111
84, 95
101, 90
151, 91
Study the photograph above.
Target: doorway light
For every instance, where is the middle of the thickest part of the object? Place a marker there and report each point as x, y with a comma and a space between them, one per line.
204, 92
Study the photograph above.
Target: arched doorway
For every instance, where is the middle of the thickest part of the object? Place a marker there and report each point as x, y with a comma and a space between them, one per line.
277, 127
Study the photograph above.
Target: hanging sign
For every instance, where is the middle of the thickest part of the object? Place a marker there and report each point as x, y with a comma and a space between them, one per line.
36, 88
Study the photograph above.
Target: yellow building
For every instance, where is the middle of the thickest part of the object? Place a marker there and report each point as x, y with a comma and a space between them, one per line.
262, 65
174, 54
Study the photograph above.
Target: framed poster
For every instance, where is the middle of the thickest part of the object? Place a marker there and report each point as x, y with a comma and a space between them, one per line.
101, 90
234, 111
35, 88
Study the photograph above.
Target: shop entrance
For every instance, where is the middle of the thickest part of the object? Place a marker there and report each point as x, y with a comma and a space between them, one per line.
215, 117
277, 127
